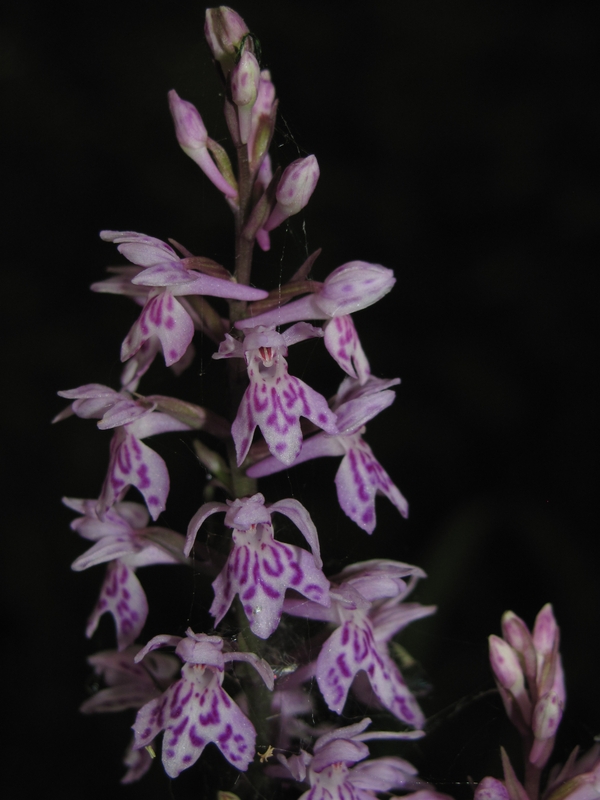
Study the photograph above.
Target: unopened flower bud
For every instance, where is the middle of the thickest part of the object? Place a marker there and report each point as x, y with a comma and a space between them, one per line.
547, 715
263, 119
294, 190
511, 681
245, 78
545, 631
193, 138
505, 664
225, 31
546, 718
517, 634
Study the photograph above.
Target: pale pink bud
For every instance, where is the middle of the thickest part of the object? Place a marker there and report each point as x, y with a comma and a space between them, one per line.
193, 137
263, 113
294, 190
545, 631
505, 664
225, 31
511, 681
245, 78
517, 634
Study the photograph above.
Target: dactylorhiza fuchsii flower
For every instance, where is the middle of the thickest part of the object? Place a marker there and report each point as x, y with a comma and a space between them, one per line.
130, 685
132, 463
274, 401
360, 476
330, 770
529, 675
349, 288
260, 569
123, 539
196, 710
368, 609
164, 277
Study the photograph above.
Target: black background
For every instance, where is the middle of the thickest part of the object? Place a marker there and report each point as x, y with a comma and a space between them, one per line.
458, 144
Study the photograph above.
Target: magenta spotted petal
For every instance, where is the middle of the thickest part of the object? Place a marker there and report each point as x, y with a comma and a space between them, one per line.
123, 597
360, 476
164, 277
260, 570
194, 712
343, 344
352, 648
164, 318
132, 463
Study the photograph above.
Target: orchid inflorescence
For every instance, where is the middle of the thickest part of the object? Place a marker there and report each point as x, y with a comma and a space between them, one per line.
354, 614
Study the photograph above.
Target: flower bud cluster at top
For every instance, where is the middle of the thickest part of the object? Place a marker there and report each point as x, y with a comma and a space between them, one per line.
354, 613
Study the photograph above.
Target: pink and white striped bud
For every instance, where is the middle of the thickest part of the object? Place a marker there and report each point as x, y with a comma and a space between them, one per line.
546, 718
245, 79
295, 189
225, 31
193, 138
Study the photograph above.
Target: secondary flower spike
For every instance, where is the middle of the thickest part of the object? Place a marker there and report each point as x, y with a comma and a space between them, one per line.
360, 476
165, 277
260, 569
274, 400
196, 710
